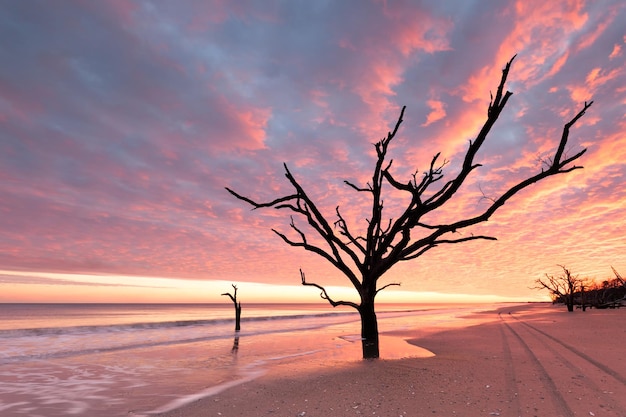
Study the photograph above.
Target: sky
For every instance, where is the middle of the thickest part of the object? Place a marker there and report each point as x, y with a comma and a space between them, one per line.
122, 122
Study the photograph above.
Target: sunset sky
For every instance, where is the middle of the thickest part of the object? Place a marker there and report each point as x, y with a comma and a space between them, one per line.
121, 122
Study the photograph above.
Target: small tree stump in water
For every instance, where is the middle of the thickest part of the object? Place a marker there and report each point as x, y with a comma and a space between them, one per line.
237, 308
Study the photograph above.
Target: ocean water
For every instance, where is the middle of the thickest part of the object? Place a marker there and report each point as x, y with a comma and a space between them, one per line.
142, 359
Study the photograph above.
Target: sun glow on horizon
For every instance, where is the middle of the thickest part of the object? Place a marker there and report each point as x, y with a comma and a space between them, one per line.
41, 287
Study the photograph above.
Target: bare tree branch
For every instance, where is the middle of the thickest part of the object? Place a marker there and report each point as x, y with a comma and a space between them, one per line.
565, 135
232, 297
324, 295
619, 277
261, 205
369, 189
337, 263
391, 284
343, 227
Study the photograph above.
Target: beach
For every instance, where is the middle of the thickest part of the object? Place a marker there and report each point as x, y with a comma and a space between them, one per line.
522, 360
106, 360
186, 361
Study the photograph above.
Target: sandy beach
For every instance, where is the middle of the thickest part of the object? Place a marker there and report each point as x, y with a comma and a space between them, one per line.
523, 360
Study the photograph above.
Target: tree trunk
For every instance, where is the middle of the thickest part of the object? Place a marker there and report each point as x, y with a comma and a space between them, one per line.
369, 330
237, 317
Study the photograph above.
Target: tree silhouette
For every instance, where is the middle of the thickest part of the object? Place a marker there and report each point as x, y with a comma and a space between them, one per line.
609, 293
562, 287
364, 259
233, 297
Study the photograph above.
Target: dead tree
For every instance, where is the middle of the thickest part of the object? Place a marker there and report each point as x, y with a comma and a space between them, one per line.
364, 259
610, 293
619, 278
613, 292
237, 308
562, 287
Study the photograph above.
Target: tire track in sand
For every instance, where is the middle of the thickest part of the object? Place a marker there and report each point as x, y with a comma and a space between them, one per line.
510, 377
616, 375
560, 406
577, 383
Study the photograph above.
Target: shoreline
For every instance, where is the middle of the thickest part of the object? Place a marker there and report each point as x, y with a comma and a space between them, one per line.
138, 370
526, 359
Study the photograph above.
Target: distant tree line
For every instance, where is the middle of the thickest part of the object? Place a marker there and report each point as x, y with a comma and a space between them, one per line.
573, 291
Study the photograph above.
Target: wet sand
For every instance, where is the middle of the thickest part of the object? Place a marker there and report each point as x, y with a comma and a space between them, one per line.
528, 360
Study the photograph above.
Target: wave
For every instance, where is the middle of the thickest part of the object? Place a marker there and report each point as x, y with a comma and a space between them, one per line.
105, 345
115, 328
61, 342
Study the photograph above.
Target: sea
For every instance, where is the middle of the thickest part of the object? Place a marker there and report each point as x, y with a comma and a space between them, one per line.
145, 359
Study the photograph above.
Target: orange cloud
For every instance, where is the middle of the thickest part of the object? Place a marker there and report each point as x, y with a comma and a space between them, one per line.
608, 152
438, 112
595, 79
558, 64
429, 38
617, 51
591, 38
540, 36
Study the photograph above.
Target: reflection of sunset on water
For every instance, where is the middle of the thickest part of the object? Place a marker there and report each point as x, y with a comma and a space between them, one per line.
121, 126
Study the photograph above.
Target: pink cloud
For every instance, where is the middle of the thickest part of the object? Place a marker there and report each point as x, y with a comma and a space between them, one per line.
616, 52
383, 60
596, 78
600, 27
253, 123
539, 35
416, 30
438, 112
558, 65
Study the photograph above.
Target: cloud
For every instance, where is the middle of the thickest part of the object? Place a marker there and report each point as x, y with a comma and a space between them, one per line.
438, 112
122, 123
616, 52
